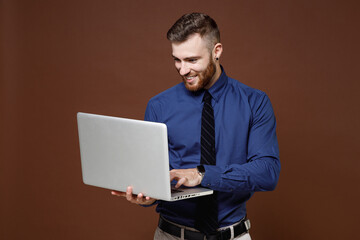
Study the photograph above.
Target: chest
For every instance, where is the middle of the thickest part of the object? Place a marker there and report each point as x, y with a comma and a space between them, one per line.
232, 120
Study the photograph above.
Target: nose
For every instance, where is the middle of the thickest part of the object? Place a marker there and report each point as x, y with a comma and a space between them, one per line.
184, 69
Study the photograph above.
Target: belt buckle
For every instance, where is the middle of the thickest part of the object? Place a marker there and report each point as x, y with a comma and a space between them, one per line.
247, 224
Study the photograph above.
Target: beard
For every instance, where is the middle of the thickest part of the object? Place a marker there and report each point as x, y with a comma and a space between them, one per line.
205, 78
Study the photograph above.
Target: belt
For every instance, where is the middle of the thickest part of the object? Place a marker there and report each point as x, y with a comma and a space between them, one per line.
225, 234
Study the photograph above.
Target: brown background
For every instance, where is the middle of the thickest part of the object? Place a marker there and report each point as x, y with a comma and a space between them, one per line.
109, 57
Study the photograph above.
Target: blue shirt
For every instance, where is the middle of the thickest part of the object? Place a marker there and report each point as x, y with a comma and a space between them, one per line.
247, 154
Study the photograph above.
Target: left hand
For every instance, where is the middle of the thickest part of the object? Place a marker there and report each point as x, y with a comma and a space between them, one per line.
133, 198
187, 177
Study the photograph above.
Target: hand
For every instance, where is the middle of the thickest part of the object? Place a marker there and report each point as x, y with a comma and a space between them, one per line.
137, 199
187, 177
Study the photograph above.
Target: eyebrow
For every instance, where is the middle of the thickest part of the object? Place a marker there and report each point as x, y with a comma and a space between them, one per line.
188, 58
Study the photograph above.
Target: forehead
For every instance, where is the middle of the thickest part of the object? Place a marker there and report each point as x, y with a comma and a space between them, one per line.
195, 45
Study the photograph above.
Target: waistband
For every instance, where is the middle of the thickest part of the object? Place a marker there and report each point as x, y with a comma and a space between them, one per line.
224, 234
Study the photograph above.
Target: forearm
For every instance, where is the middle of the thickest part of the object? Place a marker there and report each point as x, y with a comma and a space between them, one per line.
258, 175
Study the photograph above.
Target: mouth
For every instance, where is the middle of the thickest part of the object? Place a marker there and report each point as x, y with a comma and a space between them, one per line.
190, 79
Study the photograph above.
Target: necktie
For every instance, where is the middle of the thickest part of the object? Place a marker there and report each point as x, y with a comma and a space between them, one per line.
207, 132
207, 211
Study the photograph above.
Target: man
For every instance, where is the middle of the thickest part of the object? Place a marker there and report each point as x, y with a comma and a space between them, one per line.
221, 135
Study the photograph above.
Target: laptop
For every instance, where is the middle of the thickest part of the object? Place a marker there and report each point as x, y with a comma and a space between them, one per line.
120, 152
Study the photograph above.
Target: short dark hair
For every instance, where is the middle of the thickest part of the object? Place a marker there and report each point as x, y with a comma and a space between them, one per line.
192, 23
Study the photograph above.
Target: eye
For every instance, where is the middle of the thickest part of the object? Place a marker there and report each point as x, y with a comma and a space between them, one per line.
193, 60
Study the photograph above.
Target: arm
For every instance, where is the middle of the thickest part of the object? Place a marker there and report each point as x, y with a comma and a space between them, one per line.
262, 167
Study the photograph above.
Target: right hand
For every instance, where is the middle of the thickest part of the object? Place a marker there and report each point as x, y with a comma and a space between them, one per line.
187, 177
137, 199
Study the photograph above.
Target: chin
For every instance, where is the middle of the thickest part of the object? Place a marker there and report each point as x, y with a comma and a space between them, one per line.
195, 87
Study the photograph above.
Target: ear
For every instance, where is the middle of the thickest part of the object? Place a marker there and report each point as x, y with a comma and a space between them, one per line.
217, 50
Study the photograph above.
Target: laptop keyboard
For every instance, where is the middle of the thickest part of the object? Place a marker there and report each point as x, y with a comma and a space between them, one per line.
174, 190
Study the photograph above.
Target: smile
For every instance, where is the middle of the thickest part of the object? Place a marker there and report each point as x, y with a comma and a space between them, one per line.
190, 77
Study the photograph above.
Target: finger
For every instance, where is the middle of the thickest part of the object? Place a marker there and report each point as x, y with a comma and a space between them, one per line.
172, 174
147, 200
140, 197
118, 194
129, 195
180, 182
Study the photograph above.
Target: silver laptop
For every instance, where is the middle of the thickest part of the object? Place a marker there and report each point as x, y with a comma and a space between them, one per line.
119, 152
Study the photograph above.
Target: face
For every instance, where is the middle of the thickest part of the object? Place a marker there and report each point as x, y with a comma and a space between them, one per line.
194, 62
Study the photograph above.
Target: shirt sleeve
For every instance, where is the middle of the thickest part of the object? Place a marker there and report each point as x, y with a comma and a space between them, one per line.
262, 167
150, 113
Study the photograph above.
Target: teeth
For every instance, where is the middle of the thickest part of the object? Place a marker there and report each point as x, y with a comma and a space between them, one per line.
190, 77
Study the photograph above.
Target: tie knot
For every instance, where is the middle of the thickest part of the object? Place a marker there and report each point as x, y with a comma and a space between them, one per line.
207, 97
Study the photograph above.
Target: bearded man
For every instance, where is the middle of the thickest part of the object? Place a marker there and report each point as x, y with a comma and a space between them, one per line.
221, 135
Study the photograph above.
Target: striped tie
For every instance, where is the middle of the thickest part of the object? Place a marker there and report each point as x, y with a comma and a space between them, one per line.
207, 211
207, 132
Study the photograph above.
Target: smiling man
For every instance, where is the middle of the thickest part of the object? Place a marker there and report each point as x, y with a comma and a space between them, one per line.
195, 62
221, 135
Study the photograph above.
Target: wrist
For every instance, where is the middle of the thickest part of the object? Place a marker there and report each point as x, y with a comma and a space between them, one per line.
201, 172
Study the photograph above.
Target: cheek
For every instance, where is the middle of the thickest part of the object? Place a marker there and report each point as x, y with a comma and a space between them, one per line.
177, 66
200, 67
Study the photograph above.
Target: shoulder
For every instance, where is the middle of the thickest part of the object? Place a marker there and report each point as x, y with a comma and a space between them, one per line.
166, 101
255, 100
251, 95
168, 95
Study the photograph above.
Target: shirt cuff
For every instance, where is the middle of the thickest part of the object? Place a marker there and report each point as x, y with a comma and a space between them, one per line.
212, 177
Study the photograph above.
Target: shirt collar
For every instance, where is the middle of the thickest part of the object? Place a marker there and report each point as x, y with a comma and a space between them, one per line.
218, 88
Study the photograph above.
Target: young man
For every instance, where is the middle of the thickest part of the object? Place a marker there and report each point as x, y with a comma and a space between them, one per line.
221, 135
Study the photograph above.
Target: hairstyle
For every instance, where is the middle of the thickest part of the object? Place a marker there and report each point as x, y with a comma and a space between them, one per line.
192, 23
